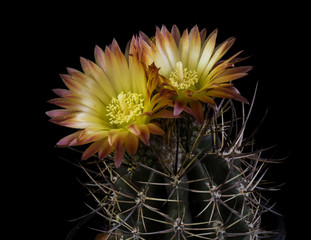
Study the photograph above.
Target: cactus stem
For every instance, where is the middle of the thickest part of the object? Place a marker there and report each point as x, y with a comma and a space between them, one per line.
197, 140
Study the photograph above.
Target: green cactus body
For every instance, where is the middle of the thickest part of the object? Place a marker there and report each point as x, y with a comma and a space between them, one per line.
203, 189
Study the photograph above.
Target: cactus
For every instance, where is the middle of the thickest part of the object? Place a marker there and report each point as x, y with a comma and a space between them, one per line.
201, 182
168, 156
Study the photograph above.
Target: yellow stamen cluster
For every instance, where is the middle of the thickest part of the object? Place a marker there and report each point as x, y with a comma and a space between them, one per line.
182, 78
125, 108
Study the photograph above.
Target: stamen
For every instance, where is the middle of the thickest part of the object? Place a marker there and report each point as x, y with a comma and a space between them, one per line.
182, 78
125, 108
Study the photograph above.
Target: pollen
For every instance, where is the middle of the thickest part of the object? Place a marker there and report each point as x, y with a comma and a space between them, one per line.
125, 108
182, 78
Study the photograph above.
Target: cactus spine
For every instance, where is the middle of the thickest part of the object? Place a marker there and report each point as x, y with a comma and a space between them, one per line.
199, 182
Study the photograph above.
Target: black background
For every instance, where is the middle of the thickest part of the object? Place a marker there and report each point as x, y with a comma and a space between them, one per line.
41, 191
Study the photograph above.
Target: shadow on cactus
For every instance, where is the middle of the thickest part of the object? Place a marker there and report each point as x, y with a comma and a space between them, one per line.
197, 176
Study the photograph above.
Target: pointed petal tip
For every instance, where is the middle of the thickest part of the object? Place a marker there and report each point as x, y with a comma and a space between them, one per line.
50, 113
82, 59
118, 155
71, 70
178, 107
133, 128
84, 157
154, 129
97, 49
249, 68
177, 111
60, 92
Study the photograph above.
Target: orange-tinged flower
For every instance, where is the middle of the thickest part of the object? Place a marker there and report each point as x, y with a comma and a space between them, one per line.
111, 103
192, 66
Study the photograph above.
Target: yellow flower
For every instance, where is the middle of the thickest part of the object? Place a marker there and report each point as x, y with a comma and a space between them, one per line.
192, 66
111, 103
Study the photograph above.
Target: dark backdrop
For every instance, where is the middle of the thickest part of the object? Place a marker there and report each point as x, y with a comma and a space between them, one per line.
41, 191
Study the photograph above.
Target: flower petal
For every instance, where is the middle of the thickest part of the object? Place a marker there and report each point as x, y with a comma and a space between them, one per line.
69, 140
197, 110
179, 107
194, 48
175, 34
84, 84
105, 150
207, 52
99, 75
164, 114
227, 92
137, 76
206, 99
112, 136
170, 47
90, 135
144, 134
218, 53
131, 143
92, 150
58, 113
119, 150
161, 58
154, 129
61, 92
133, 128
184, 48
229, 77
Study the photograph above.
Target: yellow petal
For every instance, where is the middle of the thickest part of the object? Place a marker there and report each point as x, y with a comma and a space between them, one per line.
170, 48
207, 52
92, 134
219, 52
84, 85
161, 58
184, 47
109, 61
98, 74
194, 48
137, 76
175, 33
121, 69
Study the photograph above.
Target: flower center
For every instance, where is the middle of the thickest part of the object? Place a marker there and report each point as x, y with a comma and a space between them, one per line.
182, 78
125, 108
